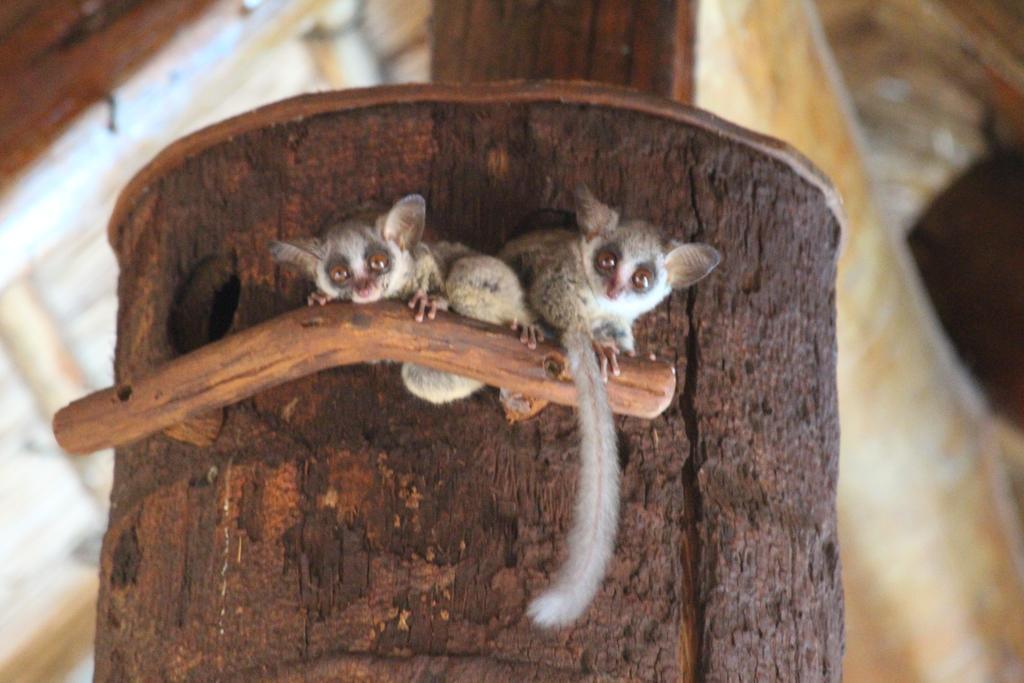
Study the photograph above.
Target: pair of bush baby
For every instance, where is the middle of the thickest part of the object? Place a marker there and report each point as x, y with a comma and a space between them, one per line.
587, 287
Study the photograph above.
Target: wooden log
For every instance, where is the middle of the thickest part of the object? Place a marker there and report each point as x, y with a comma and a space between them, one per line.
308, 340
338, 522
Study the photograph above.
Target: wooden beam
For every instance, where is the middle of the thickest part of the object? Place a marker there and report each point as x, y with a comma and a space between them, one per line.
52, 629
647, 45
33, 343
994, 29
62, 56
219, 63
309, 340
30, 336
1008, 99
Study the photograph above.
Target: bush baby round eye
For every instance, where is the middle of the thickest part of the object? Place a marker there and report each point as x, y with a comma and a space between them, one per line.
379, 261
340, 273
642, 279
606, 260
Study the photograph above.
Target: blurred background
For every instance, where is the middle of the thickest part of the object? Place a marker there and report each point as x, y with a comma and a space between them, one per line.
915, 109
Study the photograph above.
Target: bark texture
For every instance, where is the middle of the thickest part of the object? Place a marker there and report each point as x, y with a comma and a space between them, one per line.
338, 528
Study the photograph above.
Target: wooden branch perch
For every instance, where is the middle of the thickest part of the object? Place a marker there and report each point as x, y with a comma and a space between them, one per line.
308, 340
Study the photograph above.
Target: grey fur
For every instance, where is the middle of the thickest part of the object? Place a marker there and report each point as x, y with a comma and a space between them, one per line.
479, 287
447, 275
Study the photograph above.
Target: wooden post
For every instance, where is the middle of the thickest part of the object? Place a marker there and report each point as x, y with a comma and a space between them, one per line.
339, 529
647, 45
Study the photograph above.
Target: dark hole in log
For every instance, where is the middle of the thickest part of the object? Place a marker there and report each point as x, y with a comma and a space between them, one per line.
624, 451
124, 392
544, 219
554, 367
126, 559
205, 307
222, 313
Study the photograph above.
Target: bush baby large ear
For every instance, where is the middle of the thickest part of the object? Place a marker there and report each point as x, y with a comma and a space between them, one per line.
688, 263
593, 216
301, 253
404, 223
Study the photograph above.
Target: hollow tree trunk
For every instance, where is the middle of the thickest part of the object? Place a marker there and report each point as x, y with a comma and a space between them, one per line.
339, 528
